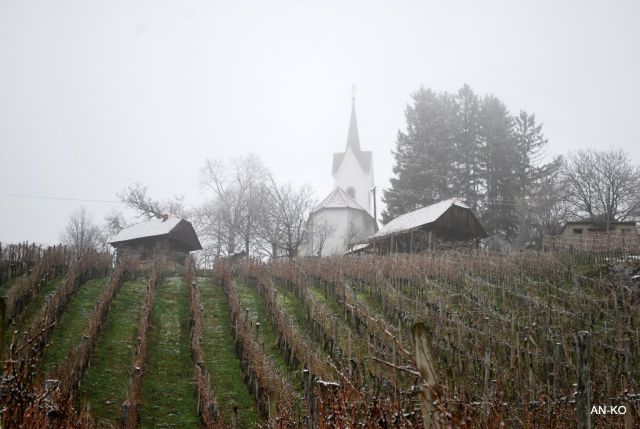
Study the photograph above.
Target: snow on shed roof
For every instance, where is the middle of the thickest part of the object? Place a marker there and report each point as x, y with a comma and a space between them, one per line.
150, 228
419, 217
338, 199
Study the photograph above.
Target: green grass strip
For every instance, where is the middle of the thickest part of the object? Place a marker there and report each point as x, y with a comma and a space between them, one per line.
227, 378
105, 383
73, 321
168, 394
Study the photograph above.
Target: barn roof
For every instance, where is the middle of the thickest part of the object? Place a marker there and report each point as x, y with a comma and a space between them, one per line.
174, 227
338, 199
419, 217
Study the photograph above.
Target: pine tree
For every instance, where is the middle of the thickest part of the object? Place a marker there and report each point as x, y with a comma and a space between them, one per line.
468, 146
536, 203
424, 155
463, 146
499, 159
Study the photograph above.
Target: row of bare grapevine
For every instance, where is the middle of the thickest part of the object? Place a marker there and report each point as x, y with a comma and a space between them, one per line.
503, 328
54, 263
70, 371
351, 401
207, 404
299, 350
274, 395
27, 403
17, 259
129, 416
91, 264
374, 351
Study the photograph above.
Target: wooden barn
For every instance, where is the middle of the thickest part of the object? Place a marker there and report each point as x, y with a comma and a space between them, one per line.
168, 236
594, 236
446, 224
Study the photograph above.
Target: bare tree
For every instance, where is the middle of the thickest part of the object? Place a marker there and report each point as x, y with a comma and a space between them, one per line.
135, 196
602, 185
81, 233
237, 198
285, 212
355, 233
207, 220
321, 232
115, 222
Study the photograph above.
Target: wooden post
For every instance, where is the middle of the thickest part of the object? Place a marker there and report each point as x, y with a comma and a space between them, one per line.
2, 313
583, 397
557, 350
234, 421
429, 391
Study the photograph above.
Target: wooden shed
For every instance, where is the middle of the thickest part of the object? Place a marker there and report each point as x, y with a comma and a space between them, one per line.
448, 223
594, 236
169, 236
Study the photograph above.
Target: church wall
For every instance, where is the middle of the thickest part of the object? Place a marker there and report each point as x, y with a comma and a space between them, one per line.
350, 174
345, 223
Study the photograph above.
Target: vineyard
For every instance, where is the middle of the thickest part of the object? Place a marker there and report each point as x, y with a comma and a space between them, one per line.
431, 340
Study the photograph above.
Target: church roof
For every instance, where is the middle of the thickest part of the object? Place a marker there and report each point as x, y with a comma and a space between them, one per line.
422, 216
353, 142
338, 199
353, 139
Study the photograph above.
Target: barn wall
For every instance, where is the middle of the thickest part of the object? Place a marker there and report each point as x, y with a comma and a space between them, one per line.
145, 250
458, 223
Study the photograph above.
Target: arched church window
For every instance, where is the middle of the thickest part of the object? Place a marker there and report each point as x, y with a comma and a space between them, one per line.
351, 192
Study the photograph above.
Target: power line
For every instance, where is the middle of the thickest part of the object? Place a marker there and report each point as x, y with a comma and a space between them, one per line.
43, 197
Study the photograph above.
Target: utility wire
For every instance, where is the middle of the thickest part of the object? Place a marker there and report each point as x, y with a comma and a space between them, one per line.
42, 197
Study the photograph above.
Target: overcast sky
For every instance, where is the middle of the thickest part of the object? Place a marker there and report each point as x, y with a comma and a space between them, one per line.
95, 96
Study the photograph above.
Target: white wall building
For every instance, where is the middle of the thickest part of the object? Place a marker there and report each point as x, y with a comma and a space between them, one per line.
344, 217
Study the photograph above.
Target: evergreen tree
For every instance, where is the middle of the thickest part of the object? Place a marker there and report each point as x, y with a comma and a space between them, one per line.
468, 147
499, 159
463, 146
536, 203
424, 155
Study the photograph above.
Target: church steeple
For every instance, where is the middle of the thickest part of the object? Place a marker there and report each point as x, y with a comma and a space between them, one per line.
352, 170
353, 140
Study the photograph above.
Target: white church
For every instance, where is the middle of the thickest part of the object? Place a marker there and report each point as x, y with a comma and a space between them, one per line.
345, 217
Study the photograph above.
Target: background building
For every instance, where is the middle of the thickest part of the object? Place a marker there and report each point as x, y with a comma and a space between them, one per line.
345, 217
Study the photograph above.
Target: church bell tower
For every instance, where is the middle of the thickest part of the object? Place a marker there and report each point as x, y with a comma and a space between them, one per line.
353, 169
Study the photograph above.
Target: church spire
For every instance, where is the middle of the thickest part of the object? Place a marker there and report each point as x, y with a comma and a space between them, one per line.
353, 140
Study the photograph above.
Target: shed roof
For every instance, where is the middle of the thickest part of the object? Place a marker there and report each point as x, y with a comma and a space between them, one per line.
419, 217
338, 199
156, 228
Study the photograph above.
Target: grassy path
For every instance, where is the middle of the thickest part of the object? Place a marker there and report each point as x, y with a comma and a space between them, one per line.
31, 310
168, 393
68, 331
105, 383
227, 378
